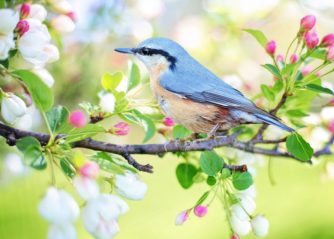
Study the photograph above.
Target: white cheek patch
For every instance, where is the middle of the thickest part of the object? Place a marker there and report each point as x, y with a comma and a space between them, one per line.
153, 60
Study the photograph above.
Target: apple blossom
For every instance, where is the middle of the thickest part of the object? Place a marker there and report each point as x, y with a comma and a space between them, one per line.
168, 121
271, 47
307, 22
200, 210
100, 214
52, 52
77, 119
9, 20
25, 10
12, 107
247, 203
37, 12
280, 58
121, 129
260, 226
107, 102
294, 58
58, 207
328, 40
62, 6
89, 170
330, 53
235, 236
237, 210
66, 231
241, 227
129, 186
63, 24
22, 27
181, 218
311, 39
44, 75
86, 187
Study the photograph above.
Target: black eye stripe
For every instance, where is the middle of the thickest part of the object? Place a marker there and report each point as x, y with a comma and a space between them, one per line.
150, 51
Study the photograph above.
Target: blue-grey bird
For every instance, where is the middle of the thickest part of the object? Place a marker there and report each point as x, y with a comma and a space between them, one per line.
191, 94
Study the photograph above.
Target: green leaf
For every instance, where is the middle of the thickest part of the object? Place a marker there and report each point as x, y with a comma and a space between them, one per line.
298, 147
35, 158
24, 143
319, 53
136, 117
242, 181
211, 180
185, 173
273, 70
40, 92
88, 131
57, 117
296, 113
180, 132
134, 76
288, 69
111, 81
318, 88
267, 92
202, 198
278, 86
259, 36
67, 167
112, 163
211, 163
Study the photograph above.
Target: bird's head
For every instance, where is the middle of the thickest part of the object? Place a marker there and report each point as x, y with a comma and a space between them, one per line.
157, 52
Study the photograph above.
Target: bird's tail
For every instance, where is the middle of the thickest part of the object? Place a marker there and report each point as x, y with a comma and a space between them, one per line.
270, 119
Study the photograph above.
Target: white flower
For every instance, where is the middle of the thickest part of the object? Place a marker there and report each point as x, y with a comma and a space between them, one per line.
129, 186
260, 226
251, 192
66, 231
181, 218
87, 188
61, 5
37, 12
99, 215
238, 211
58, 207
35, 46
45, 76
9, 19
63, 24
13, 165
247, 203
12, 107
107, 102
239, 226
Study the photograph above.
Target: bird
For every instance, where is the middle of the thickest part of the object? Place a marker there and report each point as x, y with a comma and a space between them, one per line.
191, 94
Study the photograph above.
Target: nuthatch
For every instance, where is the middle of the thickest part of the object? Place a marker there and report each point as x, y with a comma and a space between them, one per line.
191, 94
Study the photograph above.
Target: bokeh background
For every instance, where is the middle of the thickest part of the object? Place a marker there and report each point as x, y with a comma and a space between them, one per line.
297, 199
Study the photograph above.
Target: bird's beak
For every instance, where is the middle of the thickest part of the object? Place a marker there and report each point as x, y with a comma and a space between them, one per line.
125, 50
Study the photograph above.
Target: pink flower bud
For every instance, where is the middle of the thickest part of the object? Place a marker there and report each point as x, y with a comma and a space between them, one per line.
77, 119
181, 218
271, 47
280, 58
331, 126
24, 10
121, 128
200, 210
294, 58
169, 122
22, 27
306, 70
90, 170
235, 236
72, 16
318, 73
330, 53
311, 39
328, 40
307, 22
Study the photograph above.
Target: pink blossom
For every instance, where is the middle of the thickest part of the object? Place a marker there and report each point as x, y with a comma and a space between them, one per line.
306, 70
294, 58
330, 53
331, 126
328, 40
318, 73
279, 58
22, 27
77, 119
271, 47
181, 217
235, 236
90, 170
72, 16
168, 121
311, 39
25, 10
121, 128
307, 22
200, 210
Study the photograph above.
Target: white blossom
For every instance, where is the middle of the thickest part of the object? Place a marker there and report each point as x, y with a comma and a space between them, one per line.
100, 214
44, 75
241, 227
237, 210
12, 107
247, 203
87, 188
9, 19
63, 24
129, 186
58, 207
37, 12
62, 6
260, 226
66, 231
107, 102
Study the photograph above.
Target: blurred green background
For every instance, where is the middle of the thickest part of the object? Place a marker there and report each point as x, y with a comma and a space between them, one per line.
299, 204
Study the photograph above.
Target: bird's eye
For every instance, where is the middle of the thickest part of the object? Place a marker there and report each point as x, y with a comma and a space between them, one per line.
145, 51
